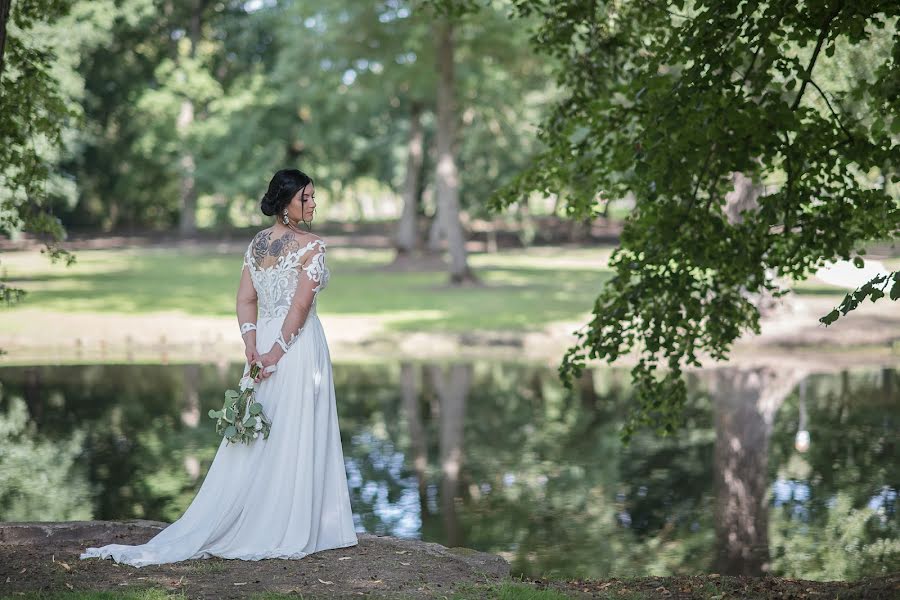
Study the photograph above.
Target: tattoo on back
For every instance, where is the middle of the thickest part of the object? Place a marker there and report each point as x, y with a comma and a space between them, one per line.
264, 245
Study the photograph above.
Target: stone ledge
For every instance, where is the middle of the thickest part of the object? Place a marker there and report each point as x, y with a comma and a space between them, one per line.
138, 531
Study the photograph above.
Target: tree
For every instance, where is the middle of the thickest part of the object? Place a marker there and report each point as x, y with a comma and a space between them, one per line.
670, 101
34, 112
407, 236
447, 169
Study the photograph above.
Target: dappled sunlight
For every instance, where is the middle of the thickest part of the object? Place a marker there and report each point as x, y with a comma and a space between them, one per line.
521, 290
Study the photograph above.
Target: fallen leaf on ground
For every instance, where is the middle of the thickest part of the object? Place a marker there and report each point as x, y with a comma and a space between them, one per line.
401, 551
65, 566
405, 564
325, 582
69, 585
344, 558
240, 583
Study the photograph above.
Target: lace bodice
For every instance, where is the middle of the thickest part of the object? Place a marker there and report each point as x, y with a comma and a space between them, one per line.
275, 268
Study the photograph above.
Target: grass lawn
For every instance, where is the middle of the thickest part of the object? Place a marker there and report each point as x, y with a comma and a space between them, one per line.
522, 289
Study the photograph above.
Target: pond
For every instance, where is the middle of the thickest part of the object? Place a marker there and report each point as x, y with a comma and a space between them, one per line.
791, 473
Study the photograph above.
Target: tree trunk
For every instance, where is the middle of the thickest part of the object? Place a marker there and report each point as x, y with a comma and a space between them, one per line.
452, 393
435, 232
744, 197
188, 219
190, 408
453, 412
4, 18
447, 176
407, 230
418, 447
745, 402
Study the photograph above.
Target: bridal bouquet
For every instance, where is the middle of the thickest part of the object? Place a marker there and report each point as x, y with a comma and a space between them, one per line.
241, 418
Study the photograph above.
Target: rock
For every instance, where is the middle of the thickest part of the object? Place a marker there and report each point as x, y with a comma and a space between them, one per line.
65, 532
45, 556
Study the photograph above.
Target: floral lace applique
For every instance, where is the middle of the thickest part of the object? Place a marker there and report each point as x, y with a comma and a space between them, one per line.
275, 267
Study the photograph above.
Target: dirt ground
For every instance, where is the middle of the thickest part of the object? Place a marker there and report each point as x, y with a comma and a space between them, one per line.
43, 558
717, 587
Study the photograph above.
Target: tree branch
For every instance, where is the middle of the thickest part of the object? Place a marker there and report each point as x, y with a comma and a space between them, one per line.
4, 18
834, 114
812, 61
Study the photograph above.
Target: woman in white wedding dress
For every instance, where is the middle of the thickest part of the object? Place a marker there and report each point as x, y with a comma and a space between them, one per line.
285, 496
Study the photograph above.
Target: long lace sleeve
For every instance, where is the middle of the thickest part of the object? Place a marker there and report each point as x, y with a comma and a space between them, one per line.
309, 282
246, 305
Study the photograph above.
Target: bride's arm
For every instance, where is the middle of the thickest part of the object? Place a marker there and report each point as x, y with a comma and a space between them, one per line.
308, 281
246, 308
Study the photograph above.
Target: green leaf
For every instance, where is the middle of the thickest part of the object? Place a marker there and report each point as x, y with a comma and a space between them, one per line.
231, 394
255, 408
858, 262
830, 317
230, 431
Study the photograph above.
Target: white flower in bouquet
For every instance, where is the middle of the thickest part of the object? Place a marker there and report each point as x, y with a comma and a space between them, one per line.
247, 383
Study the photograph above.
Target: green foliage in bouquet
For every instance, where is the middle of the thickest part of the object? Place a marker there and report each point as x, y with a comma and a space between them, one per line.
241, 418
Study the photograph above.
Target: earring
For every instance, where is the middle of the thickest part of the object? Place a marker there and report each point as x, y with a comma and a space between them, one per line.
284, 218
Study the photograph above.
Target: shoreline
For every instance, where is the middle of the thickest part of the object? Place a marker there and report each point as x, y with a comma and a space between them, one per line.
170, 337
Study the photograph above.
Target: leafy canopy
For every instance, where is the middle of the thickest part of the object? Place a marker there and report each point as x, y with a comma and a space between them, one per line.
670, 101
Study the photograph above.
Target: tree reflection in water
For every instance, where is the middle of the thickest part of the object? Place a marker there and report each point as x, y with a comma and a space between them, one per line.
502, 458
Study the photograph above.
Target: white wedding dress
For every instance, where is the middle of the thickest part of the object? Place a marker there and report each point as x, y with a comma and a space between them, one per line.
285, 496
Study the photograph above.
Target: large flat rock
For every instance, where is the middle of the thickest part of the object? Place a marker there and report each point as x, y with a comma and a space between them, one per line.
44, 556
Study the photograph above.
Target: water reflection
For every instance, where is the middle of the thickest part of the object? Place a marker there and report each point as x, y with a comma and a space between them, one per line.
502, 458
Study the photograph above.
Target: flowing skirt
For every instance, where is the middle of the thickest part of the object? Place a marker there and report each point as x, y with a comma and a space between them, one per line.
281, 497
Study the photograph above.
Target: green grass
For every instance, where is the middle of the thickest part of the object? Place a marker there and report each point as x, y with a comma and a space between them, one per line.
207, 566
522, 290
504, 591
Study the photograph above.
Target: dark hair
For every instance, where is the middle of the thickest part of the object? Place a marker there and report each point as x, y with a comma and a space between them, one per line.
283, 186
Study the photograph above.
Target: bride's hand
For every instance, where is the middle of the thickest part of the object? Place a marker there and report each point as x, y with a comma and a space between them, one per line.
252, 355
268, 359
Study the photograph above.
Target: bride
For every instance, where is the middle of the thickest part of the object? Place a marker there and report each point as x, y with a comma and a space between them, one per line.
285, 496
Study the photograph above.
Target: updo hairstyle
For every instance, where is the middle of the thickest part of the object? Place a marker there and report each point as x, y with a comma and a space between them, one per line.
283, 186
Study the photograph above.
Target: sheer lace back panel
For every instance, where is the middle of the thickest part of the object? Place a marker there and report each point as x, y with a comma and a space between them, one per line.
275, 267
